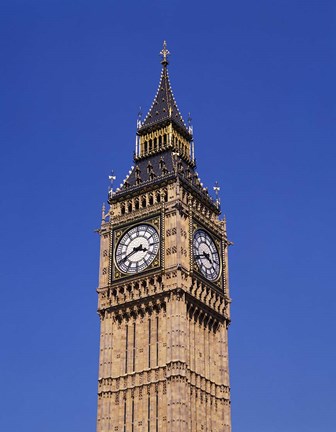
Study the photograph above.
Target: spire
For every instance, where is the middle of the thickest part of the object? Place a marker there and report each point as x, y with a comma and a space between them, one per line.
164, 108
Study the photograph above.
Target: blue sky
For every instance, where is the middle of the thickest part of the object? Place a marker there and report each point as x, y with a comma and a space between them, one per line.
258, 79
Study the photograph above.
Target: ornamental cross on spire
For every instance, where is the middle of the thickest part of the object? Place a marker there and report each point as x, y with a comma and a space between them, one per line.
165, 53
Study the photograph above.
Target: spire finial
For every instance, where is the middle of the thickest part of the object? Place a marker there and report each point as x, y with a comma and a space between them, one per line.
111, 177
190, 128
103, 212
217, 189
139, 118
165, 53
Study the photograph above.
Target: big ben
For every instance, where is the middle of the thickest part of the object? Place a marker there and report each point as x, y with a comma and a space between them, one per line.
163, 294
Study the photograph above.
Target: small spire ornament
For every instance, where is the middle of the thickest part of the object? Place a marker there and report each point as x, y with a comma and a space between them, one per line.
139, 118
190, 127
103, 212
111, 177
216, 188
165, 53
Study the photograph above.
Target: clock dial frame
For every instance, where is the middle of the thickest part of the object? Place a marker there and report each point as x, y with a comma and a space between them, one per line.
206, 255
137, 249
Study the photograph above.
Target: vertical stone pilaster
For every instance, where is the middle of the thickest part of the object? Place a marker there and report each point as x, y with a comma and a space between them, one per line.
169, 351
99, 414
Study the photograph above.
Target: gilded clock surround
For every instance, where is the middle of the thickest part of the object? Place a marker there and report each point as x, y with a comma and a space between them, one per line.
199, 260
163, 364
220, 245
118, 234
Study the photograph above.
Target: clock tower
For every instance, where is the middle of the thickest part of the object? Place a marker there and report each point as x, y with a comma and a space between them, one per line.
163, 295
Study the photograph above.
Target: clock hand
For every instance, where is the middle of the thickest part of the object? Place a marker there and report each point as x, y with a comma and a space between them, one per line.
135, 249
207, 256
204, 255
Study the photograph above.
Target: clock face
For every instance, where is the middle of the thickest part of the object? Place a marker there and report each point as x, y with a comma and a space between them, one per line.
206, 255
137, 249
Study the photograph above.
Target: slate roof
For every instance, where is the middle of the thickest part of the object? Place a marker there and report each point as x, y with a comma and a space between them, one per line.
158, 168
153, 167
164, 108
